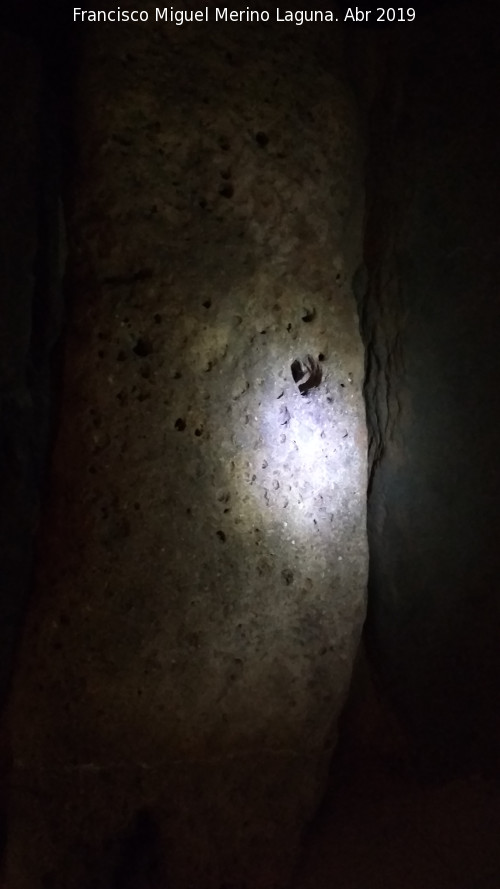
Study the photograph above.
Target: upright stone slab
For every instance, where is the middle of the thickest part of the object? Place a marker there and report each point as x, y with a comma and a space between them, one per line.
201, 586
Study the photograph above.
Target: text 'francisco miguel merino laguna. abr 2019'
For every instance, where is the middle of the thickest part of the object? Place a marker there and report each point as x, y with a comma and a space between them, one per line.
170, 14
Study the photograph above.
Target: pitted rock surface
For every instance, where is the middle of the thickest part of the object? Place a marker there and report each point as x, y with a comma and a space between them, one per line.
201, 588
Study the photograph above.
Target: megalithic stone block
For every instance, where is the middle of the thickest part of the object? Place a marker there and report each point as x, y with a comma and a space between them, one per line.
202, 563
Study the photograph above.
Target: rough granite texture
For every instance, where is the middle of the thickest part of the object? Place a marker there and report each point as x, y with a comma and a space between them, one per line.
203, 559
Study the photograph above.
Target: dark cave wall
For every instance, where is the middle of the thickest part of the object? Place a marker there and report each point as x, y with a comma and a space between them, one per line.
31, 264
428, 295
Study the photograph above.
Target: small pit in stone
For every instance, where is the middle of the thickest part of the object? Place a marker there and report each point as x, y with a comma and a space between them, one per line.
262, 139
226, 191
180, 424
142, 348
309, 315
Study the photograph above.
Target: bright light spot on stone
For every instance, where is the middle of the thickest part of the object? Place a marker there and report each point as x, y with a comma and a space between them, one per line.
301, 462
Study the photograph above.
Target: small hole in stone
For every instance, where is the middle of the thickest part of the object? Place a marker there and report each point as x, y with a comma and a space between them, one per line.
198, 432
157, 318
226, 191
202, 203
297, 370
262, 139
343, 385
137, 506
142, 348
309, 315
122, 356
177, 375
289, 327
321, 356
100, 353
180, 424
287, 576
225, 174
207, 304
224, 144
221, 536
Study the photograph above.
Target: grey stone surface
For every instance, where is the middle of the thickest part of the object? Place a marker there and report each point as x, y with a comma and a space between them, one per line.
202, 587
